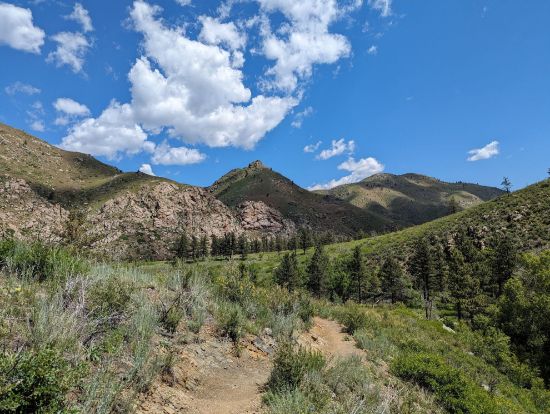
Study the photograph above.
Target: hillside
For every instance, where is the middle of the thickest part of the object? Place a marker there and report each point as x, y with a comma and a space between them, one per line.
71, 179
411, 199
523, 214
53, 195
320, 212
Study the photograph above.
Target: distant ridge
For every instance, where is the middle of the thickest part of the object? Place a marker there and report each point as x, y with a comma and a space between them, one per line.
411, 199
321, 213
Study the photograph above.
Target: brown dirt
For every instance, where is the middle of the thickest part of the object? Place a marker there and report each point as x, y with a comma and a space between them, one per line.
327, 337
210, 379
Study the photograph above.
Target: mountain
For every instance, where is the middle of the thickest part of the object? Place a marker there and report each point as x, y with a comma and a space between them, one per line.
323, 213
411, 199
53, 195
523, 214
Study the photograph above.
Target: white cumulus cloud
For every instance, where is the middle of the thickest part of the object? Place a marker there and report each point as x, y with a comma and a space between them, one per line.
71, 107
20, 87
69, 110
302, 42
214, 32
71, 50
112, 134
17, 29
38, 125
205, 102
488, 151
81, 16
337, 148
359, 170
167, 155
146, 169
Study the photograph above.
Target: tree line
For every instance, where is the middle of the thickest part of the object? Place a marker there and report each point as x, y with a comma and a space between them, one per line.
231, 244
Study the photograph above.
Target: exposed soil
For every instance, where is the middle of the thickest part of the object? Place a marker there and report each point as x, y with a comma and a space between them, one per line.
210, 379
327, 337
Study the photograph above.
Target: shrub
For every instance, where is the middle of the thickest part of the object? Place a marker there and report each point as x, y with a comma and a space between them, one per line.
291, 365
39, 262
306, 310
34, 382
452, 389
170, 319
293, 401
353, 317
231, 321
110, 297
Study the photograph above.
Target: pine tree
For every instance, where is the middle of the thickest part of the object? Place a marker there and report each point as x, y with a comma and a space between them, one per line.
194, 248
373, 286
421, 267
182, 246
293, 243
504, 262
265, 244
506, 184
318, 272
278, 244
287, 274
214, 246
204, 246
256, 246
304, 238
242, 248
393, 281
453, 206
457, 276
358, 273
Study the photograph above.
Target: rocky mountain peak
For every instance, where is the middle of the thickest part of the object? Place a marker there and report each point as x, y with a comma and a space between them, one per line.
256, 165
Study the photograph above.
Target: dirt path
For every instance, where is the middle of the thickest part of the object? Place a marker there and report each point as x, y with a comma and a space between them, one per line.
210, 379
327, 337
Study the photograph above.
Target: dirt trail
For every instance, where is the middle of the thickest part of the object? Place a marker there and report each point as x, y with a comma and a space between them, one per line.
210, 379
327, 337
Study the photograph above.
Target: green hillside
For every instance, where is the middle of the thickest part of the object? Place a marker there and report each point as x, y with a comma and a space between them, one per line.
320, 212
73, 179
411, 199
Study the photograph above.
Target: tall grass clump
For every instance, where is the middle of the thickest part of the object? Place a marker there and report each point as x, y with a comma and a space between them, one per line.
40, 262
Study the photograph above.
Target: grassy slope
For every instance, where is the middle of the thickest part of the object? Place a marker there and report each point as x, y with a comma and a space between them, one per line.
71, 178
411, 199
392, 332
325, 213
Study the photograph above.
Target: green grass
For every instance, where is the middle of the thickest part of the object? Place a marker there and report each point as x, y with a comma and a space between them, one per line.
453, 366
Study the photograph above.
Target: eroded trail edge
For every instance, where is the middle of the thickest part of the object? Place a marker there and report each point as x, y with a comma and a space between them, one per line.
210, 379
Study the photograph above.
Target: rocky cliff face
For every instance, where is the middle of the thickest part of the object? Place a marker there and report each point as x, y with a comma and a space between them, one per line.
143, 223
258, 217
26, 215
146, 224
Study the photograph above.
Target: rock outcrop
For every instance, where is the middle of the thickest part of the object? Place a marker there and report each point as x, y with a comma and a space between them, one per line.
26, 215
147, 223
256, 216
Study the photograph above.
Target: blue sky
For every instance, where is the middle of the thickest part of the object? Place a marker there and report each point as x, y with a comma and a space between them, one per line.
324, 91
